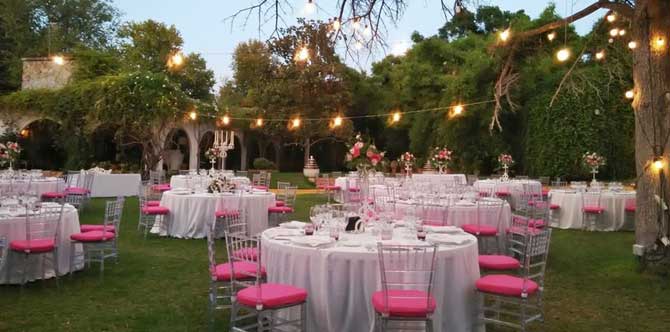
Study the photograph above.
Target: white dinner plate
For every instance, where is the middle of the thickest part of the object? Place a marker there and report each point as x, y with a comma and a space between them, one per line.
292, 225
312, 241
447, 239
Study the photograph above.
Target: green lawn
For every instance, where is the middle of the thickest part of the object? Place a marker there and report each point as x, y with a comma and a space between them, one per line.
161, 285
296, 179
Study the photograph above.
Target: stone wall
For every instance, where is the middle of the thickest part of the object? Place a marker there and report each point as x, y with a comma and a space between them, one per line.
43, 73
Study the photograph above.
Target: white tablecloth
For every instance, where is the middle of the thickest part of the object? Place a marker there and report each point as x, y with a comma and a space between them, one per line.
340, 282
441, 179
113, 185
192, 214
15, 229
180, 181
459, 215
514, 187
570, 209
39, 186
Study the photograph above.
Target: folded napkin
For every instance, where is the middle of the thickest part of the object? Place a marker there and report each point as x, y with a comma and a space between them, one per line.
277, 233
312, 241
442, 229
292, 224
464, 203
447, 239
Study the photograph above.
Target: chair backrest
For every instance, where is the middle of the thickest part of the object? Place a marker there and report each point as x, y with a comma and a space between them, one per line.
282, 184
236, 223
471, 179
74, 179
256, 179
434, 214
88, 180
630, 203
3, 249
591, 199
242, 174
322, 182
113, 213
243, 248
335, 175
544, 180
44, 223
352, 191
158, 177
290, 193
535, 260
488, 212
405, 267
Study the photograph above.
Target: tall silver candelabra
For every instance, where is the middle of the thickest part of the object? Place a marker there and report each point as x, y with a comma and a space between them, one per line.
224, 141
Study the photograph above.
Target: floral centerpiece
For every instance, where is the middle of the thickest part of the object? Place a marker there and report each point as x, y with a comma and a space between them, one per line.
407, 160
213, 153
441, 158
593, 161
505, 160
364, 156
9, 153
220, 184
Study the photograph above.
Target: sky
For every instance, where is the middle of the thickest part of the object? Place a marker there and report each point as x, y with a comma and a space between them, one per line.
202, 25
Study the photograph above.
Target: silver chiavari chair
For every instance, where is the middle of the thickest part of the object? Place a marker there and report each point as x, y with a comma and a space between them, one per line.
434, 214
278, 214
280, 196
100, 245
592, 210
151, 212
487, 223
407, 274
42, 224
516, 300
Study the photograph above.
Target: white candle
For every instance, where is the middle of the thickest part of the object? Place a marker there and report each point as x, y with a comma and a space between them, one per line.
232, 139
216, 137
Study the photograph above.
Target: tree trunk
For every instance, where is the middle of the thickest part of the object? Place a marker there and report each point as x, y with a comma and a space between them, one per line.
277, 146
651, 74
307, 149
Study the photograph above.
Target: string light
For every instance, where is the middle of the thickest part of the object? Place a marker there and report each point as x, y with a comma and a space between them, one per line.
504, 35
563, 54
632, 44
310, 8
551, 36
302, 55
659, 43
600, 55
395, 117
611, 17
658, 163
458, 110
58, 59
367, 31
259, 122
193, 115
622, 32
358, 45
175, 60
225, 120
337, 121
614, 32
336, 24
24, 132
630, 94
295, 123
356, 25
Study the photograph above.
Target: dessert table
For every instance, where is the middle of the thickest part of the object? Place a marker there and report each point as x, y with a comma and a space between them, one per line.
514, 187
191, 214
113, 185
340, 279
37, 185
183, 181
14, 228
570, 208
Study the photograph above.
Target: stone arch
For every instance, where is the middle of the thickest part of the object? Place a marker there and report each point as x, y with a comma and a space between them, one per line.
41, 139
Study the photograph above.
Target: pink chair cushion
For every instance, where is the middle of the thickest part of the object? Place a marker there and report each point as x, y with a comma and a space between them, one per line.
93, 236
280, 203
280, 209
483, 194
246, 254
354, 189
77, 191
536, 223
545, 192
483, 230
33, 246
593, 209
243, 270
261, 187
227, 213
155, 210
161, 187
498, 262
89, 228
531, 203
502, 284
272, 295
152, 203
330, 187
630, 208
503, 193
53, 195
554, 206
521, 230
404, 303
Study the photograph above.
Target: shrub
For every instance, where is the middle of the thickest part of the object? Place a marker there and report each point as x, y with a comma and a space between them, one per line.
262, 163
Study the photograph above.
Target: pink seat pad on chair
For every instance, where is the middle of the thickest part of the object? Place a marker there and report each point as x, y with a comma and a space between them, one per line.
77, 191
280, 203
593, 209
89, 228
502, 284
280, 209
246, 254
498, 262
93, 236
480, 230
52, 195
152, 203
272, 295
226, 213
155, 210
404, 303
261, 187
243, 270
33, 246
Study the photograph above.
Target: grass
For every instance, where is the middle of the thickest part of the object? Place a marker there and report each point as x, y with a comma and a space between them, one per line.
161, 285
296, 179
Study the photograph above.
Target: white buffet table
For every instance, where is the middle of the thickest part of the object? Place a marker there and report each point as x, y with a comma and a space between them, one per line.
192, 214
340, 281
514, 187
570, 208
112, 185
14, 228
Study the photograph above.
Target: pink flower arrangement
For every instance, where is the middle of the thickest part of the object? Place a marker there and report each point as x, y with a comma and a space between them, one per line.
593, 160
9, 152
363, 155
441, 157
213, 153
505, 160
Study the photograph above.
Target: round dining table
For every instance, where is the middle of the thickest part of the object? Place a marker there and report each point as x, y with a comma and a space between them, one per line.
13, 227
514, 187
341, 278
570, 202
191, 214
190, 181
39, 185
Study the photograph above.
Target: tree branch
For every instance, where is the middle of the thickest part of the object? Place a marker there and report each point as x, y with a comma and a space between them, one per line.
565, 77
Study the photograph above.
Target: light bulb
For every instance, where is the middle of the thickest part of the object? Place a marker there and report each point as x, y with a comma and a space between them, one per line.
259, 122
295, 123
337, 121
358, 45
658, 164
551, 36
458, 109
177, 59
59, 60
563, 54
504, 35
310, 8
630, 94
367, 31
632, 44
356, 25
611, 18
395, 117
622, 32
614, 32
600, 55
193, 115
659, 43
336, 24
225, 120
302, 55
